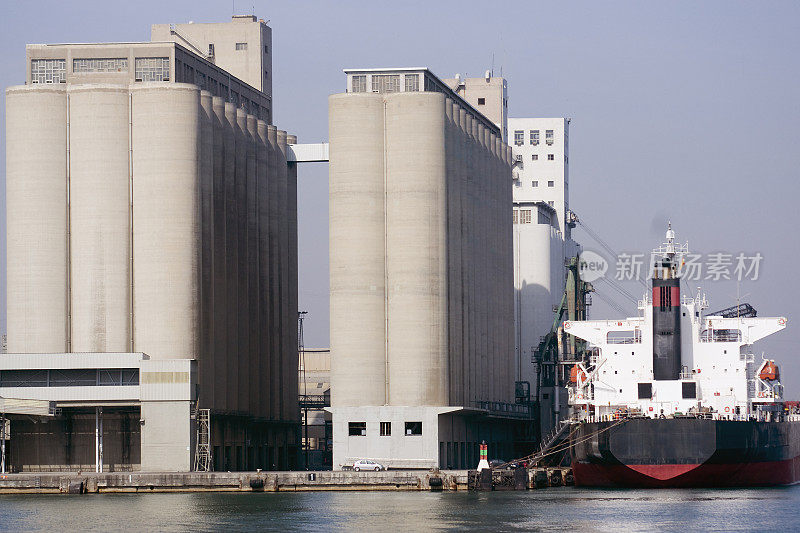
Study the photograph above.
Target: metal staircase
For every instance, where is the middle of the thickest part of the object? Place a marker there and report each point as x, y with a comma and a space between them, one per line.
202, 457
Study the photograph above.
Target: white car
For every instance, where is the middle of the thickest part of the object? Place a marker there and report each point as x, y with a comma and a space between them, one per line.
366, 464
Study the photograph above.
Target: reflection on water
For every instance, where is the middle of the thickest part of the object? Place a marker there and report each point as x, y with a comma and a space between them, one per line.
773, 509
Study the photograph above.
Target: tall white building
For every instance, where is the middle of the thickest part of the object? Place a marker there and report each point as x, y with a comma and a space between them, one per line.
542, 244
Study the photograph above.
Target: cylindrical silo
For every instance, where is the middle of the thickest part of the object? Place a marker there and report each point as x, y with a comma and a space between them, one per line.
287, 360
357, 262
36, 219
234, 172
290, 383
223, 144
468, 267
416, 246
265, 320
206, 374
274, 275
166, 232
455, 354
248, 254
100, 232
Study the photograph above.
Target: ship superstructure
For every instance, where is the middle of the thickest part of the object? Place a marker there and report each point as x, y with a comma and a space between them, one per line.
676, 397
673, 359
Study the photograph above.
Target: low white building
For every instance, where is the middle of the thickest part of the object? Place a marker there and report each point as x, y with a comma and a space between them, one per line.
115, 412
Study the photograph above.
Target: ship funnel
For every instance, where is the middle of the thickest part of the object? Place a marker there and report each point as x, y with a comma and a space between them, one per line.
667, 309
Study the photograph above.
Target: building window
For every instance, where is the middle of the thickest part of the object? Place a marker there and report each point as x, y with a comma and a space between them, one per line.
357, 429
386, 83
481, 101
241, 46
516, 216
413, 428
548, 136
152, 69
412, 82
113, 64
266, 49
70, 377
525, 216
210, 49
645, 391
551, 183
535, 183
359, 84
535, 137
48, 71
386, 429
535, 157
551, 157
519, 137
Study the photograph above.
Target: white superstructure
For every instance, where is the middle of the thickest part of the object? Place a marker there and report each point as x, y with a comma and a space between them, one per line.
719, 376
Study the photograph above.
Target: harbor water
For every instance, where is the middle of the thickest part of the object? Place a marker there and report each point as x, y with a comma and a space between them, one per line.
563, 508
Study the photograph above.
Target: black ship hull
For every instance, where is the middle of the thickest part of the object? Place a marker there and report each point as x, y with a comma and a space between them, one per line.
685, 453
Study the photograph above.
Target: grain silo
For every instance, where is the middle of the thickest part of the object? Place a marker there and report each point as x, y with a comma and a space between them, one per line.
421, 273
151, 220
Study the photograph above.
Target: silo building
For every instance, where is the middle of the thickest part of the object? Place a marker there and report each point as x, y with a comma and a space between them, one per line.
152, 248
421, 275
547, 288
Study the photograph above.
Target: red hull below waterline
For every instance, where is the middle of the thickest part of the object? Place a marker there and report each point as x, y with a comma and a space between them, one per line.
678, 475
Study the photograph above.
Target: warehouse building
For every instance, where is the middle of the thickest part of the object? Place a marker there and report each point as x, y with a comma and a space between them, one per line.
152, 255
421, 274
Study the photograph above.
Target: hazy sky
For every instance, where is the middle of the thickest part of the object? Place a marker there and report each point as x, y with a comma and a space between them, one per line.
680, 110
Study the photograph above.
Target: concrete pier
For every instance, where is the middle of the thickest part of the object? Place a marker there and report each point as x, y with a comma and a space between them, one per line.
392, 480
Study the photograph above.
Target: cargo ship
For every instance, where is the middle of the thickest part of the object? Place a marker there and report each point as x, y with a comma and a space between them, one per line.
676, 397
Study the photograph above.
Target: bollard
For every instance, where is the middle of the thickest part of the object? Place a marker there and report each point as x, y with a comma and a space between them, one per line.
520, 478
485, 479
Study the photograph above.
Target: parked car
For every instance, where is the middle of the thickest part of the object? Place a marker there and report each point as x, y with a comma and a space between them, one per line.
366, 464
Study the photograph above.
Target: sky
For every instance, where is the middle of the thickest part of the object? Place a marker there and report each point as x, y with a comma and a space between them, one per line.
685, 111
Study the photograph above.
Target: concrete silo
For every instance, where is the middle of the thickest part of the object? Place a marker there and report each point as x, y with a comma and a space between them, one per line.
357, 254
37, 219
421, 273
166, 230
100, 218
416, 249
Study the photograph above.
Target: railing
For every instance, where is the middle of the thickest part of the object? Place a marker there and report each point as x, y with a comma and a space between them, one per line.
506, 409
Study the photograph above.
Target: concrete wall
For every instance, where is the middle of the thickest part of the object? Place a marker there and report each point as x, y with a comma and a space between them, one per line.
167, 436
421, 272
